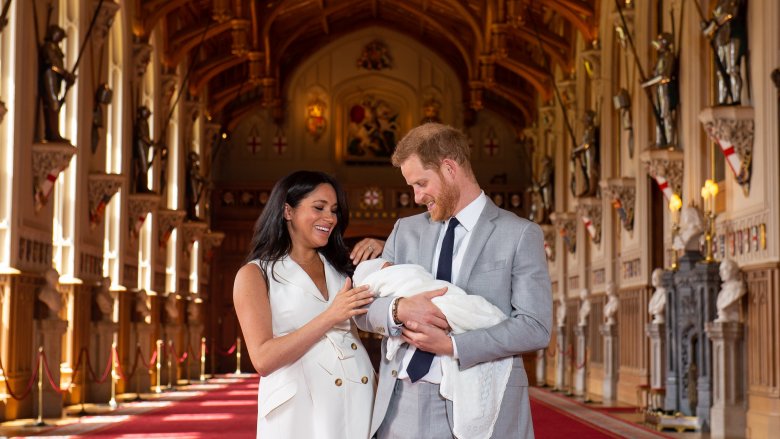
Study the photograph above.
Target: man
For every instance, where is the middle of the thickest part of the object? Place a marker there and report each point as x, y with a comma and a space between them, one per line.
463, 238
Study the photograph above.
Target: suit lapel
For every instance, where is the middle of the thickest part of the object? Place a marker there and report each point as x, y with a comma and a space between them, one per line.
428, 238
479, 237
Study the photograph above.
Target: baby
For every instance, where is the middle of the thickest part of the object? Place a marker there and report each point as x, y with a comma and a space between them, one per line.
476, 392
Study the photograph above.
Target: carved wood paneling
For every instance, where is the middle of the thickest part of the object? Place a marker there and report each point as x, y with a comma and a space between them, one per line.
632, 318
763, 331
595, 339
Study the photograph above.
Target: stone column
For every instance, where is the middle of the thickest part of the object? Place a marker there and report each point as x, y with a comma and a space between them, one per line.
560, 355
48, 334
580, 362
729, 408
609, 385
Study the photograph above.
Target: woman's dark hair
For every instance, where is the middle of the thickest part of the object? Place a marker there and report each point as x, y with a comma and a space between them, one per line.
271, 241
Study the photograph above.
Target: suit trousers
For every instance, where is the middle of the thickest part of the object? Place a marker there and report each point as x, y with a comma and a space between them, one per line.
416, 410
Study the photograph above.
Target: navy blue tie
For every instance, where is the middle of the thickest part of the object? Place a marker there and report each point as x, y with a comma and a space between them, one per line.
420, 363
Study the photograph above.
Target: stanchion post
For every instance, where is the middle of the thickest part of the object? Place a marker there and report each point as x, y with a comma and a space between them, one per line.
39, 421
114, 360
238, 355
203, 359
171, 357
158, 388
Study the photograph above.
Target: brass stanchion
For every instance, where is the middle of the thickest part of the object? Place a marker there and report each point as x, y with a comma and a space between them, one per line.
203, 359
158, 387
171, 355
114, 360
238, 355
39, 421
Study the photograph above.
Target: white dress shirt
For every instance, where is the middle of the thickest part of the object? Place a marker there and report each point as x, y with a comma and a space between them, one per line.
467, 218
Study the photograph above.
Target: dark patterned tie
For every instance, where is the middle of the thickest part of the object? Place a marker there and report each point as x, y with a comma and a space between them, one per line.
420, 363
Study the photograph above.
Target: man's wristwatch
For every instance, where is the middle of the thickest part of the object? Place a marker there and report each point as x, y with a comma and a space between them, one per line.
394, 311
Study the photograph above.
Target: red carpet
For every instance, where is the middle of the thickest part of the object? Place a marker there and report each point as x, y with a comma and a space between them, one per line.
230, 411
552, 423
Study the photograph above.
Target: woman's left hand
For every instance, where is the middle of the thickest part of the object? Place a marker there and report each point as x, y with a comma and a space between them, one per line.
367, 248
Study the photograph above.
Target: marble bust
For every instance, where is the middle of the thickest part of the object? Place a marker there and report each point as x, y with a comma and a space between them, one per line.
560, 312
731, 292
142, 306
611, 307
49, 294
582, 318
658, 299
171, 310
691, 229
104, 298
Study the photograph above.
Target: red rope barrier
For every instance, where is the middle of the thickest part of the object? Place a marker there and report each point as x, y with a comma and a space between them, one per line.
172, 351
51, 379
29, 384
228, 352
93, 375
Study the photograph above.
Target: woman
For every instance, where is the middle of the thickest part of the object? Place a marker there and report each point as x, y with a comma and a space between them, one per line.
295, 303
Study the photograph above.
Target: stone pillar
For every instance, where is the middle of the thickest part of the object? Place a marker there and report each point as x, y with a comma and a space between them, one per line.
541, 368
580, 362
100, 353
560, 355
729, 408
657, 335
609, 385
48, 334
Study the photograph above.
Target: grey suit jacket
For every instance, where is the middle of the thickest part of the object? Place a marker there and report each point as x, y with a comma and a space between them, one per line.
505, 263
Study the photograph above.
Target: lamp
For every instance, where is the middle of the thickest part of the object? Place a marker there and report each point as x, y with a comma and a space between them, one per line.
708, 193
675, 204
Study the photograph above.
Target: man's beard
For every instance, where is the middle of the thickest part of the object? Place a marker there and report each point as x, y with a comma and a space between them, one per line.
445, 203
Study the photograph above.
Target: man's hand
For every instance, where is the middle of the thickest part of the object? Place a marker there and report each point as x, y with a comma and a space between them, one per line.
420, 309
428, 338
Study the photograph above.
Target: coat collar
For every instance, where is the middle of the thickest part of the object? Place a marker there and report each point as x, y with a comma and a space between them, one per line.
479, 237
295, 275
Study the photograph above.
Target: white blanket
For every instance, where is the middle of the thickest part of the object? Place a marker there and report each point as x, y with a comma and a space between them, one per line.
476, 392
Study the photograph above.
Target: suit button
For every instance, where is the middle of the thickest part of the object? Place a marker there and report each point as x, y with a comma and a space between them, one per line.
394, 373
338, 382
364, 380
354, 347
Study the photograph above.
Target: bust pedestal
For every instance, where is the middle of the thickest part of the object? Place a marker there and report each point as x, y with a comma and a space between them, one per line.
609, 385
729, 408
48, 334
100, 354
140, 336
560, 356
541, 368
580, 362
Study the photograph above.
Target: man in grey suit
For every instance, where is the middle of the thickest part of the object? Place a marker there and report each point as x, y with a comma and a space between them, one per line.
468, 240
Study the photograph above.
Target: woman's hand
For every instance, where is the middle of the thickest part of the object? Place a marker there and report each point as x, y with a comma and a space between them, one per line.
349, 302
367, 248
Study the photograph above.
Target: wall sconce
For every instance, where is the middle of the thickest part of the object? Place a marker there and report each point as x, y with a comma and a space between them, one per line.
675, 204
708, 193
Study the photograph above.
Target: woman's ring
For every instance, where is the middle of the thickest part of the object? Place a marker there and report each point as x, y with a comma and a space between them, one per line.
371, 248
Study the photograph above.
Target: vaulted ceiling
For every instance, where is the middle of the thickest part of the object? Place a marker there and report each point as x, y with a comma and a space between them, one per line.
244, 51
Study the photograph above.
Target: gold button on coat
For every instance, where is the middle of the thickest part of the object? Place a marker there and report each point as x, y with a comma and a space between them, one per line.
394, 373
338, 381
364, 380
354, 347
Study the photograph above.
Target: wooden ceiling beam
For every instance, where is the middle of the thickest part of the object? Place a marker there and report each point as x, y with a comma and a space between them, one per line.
155, 10
203, 74
184, 41
578, 21
522, 103
537, 77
